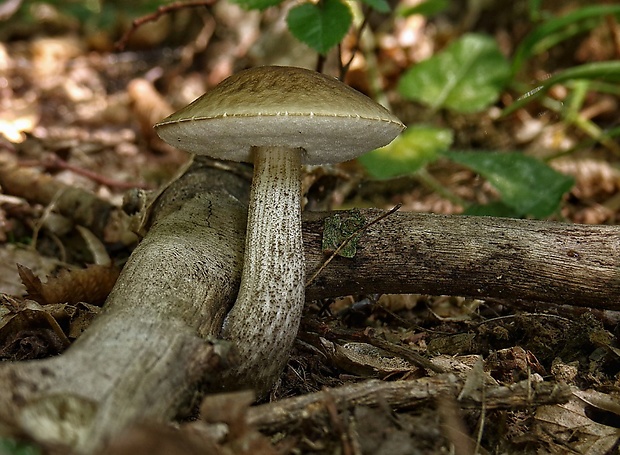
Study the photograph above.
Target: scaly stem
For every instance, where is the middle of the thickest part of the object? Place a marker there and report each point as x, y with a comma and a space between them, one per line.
264, 321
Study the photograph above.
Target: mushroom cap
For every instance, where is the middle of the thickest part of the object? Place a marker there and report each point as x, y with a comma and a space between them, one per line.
283, 107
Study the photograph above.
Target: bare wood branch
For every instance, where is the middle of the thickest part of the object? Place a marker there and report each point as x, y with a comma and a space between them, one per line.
81, 206
146, 353
347, 240
273, 417
162, 10
477, 257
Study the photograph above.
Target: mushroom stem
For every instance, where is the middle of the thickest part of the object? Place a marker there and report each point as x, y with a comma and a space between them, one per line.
264, 320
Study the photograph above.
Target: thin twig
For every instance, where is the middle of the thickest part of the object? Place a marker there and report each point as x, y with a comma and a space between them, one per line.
348, 239
404, 394
320, 62
54, 162
164, 9
344, 69
404, 353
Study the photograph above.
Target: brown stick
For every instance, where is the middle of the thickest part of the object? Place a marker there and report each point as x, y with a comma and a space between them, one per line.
77, 204
416, 253
273, 417
144, 355
472, 256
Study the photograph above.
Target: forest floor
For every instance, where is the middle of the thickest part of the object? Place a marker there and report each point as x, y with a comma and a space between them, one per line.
77, 113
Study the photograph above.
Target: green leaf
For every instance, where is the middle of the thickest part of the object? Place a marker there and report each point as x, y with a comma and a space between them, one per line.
338, 229
417, 146
526, 184
607, 71
13, 447
428, 8
378, 5
321, 26
256, 4
534, 8
466, 77
559, 29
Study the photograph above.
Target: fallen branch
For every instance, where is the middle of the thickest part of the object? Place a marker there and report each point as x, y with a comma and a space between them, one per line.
146, 354
273, 417
83, 207
478, 257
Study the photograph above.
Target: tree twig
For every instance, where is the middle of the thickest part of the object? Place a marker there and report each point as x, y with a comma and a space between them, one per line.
275, 416
478, 257
164, 9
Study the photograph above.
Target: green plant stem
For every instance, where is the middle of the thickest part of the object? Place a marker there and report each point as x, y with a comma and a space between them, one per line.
575, 115
595, 132
572, 115
423, 176
576, 99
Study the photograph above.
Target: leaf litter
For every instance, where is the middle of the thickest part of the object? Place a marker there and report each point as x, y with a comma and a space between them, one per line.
91, 110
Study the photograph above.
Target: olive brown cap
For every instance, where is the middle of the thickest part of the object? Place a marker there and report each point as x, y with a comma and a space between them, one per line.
282, 107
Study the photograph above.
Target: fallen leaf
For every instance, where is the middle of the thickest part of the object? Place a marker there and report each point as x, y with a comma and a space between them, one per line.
572, 428
91, 285
365, 360
28, 330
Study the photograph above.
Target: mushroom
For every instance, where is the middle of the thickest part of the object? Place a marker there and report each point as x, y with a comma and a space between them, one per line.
277, 118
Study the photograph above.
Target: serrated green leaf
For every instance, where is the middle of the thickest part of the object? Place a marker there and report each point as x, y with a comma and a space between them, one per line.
321, 26
414, 148
256, 4
378, 5
526, 184
466, 77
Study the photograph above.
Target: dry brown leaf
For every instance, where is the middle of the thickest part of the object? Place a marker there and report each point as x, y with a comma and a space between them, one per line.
223, 431
149, 107
399, 302
81, 315
160, 439
365, 360
572, 428
33, 284
91, 285
28, 330
231, 410
600, 407
513, 364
